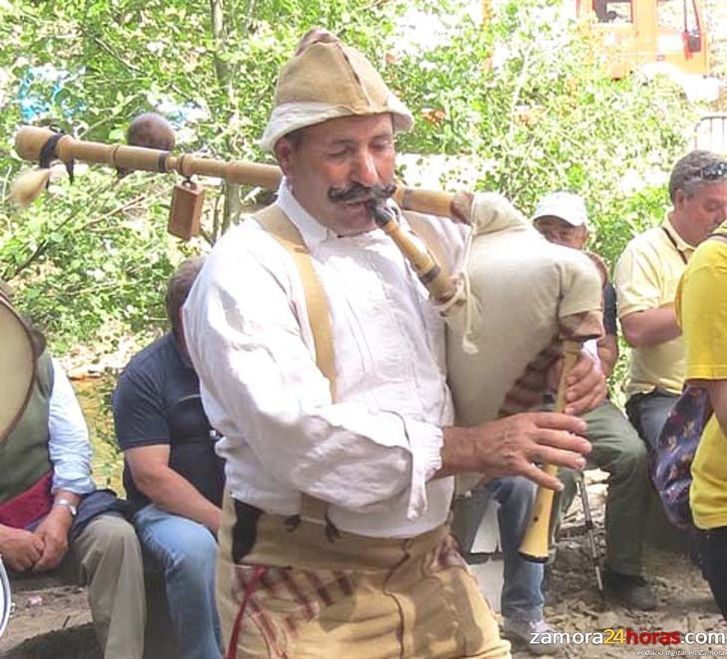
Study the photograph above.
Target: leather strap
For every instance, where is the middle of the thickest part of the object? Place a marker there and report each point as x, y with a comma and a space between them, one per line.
279, 226
674, 243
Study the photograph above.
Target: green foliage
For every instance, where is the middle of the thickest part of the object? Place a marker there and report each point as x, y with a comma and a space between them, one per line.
529, 99
524, 96
94, 396
90, 260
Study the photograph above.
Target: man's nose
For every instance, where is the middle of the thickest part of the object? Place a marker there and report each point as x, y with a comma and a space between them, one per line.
366, 172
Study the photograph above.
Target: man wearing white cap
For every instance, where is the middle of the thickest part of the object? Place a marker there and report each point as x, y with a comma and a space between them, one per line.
617, 449
321, 362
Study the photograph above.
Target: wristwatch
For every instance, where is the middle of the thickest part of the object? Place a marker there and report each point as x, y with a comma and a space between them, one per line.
66, 504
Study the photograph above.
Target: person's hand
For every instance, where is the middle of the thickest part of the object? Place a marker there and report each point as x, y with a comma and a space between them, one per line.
20, 549
512, 446
586, 384
53, 531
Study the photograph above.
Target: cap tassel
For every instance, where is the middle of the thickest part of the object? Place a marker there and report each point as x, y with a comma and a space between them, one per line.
27, 187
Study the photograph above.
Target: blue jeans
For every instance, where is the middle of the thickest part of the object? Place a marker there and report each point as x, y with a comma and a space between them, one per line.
186, 551
522, 594
648, 413
522, 589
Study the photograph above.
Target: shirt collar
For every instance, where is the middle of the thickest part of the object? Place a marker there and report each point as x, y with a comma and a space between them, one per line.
311, 230
682, 245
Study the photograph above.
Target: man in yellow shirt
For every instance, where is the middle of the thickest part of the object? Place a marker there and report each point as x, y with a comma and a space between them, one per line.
702, 315
646, 279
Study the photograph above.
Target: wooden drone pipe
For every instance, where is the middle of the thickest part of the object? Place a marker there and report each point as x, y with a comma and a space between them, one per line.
30, 141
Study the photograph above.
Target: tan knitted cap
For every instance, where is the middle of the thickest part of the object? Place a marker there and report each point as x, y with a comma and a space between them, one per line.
326, 80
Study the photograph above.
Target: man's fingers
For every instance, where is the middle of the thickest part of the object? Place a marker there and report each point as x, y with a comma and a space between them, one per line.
588, 401
558, 421
583, 366
48, 560
584, 387
538, 476
560, 440
23, 561
53, 552
19, 563
559, 457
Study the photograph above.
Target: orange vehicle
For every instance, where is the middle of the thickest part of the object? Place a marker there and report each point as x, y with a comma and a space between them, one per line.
638, 32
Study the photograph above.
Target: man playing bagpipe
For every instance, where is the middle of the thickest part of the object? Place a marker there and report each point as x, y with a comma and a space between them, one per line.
321, 361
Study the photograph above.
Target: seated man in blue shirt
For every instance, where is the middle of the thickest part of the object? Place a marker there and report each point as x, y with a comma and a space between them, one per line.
51, 512
173, 478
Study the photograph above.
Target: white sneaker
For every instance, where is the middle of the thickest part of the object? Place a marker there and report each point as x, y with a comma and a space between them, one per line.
534, 635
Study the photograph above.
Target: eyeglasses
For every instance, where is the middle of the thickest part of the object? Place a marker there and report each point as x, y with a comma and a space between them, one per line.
712, 172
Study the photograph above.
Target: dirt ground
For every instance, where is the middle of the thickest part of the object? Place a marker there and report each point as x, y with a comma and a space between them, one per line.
50, 620
574, 604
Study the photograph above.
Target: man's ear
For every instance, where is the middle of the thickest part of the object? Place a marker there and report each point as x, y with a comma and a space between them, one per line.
584, 237
679, 198
284, 154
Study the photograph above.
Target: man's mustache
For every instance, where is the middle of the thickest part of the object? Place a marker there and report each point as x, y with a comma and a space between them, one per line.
353, 193
358, 192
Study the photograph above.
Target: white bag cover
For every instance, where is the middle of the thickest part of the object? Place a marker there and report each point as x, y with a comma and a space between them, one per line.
523, 296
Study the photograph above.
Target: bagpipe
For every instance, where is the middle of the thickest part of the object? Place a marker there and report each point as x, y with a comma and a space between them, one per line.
519, 304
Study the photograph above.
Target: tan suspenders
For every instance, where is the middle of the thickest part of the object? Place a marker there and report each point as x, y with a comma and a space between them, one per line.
277, 224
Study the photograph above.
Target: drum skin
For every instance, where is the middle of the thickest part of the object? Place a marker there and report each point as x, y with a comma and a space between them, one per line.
5, 601
17, 367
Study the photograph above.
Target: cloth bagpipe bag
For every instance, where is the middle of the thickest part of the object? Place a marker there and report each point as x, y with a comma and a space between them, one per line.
523, 296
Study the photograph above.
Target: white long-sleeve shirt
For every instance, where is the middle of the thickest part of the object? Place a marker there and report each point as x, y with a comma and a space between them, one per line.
372, 452
69, 447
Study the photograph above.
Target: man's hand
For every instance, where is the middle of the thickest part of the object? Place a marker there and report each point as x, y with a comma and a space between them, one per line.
168, 489
20, 549
585, 386
511, 446
53, 532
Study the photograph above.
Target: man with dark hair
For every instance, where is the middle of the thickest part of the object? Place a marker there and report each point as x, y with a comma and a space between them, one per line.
149, 130
321, 360
646, 279
172, 476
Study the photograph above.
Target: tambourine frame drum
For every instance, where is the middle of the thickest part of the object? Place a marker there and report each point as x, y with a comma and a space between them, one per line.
17, 367
5, 601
